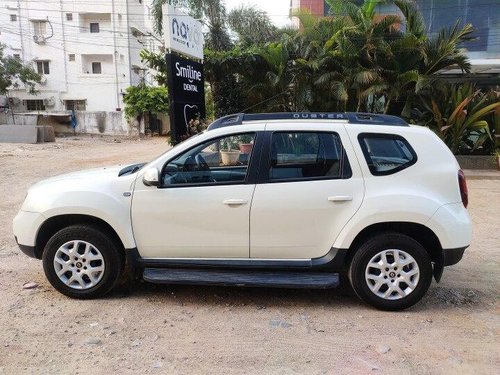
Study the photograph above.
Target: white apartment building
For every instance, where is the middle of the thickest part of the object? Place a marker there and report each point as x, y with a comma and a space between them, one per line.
86, 50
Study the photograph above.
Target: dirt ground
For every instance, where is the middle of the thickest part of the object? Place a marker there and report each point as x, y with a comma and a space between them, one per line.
181, 329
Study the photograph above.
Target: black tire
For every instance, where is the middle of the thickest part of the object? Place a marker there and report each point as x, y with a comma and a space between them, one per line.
111, 253
374, 246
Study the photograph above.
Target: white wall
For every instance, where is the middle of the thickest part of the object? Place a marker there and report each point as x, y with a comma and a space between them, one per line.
114, 46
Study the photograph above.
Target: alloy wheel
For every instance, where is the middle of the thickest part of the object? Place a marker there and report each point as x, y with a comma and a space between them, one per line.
392, 274
79, 264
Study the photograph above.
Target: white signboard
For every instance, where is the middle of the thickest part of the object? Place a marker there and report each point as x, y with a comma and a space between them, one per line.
182, 33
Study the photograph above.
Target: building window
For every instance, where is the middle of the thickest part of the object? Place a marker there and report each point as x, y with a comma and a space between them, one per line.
35, 105
39, 27
42, 67
69, 16
17, 56
71, 57
13, 17
75, 105
94, 27
96, 68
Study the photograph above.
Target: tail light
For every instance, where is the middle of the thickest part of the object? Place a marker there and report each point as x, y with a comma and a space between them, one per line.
463, 188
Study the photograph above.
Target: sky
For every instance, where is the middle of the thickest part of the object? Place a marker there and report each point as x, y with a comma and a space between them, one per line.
277, 9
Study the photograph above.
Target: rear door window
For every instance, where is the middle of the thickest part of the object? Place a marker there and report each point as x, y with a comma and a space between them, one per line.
386, 153
307, 156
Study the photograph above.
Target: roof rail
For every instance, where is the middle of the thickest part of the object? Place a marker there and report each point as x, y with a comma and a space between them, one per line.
350, 117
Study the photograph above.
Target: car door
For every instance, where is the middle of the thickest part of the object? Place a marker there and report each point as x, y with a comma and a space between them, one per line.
309, 190
201, 207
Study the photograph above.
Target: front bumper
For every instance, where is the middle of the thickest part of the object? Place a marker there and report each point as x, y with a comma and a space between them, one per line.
28, 250
25, 227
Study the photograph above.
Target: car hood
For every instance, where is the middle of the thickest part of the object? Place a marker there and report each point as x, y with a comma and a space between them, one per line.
103, 173
77, 189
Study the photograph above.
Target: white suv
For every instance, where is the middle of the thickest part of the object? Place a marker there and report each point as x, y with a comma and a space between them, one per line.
277, 200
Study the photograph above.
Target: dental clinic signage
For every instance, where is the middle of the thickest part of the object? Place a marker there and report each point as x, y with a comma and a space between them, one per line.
184, 43
186, 91
182, 33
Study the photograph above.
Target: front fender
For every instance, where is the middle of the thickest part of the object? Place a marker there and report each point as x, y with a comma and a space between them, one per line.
109, 208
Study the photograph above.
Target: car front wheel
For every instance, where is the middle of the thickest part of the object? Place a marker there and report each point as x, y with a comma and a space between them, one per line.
391, 271
81, 261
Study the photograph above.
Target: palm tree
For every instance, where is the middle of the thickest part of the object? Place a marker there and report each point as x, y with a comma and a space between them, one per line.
379, 62
276, 81
350, 64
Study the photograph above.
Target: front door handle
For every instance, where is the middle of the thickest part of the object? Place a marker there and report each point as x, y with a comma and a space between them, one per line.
340, 198
235, 202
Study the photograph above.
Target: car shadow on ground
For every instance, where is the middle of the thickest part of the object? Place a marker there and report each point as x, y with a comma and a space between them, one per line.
235, 295
437, 298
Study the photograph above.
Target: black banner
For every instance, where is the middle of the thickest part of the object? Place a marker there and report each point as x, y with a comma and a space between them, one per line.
187, 93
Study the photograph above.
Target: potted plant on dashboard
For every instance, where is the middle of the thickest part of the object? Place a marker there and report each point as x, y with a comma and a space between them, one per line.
246, 144
229, 152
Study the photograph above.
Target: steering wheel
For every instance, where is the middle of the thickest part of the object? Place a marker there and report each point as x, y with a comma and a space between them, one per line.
201, 163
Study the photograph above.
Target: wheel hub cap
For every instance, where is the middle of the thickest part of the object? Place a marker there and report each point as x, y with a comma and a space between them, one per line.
392, 274
79, 264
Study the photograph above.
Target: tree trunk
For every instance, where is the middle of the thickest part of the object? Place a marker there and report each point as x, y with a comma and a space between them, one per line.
11, 110
387, 104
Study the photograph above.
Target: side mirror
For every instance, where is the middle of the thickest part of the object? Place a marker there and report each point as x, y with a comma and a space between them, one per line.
151, 177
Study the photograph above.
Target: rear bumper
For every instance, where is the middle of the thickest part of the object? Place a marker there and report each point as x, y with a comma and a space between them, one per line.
453, 256
449, 258
452, 225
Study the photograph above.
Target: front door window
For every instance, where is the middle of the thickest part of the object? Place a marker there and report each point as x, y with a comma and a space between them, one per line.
220, 161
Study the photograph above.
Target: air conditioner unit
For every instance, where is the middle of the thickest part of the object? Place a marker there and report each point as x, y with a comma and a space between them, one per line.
50, 102
39, 39
43, 80
14, 101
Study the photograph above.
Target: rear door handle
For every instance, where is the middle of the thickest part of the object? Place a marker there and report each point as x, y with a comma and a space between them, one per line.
235, 202
340, 198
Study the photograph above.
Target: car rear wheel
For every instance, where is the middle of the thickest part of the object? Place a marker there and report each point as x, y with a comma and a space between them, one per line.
391, 271
81, 261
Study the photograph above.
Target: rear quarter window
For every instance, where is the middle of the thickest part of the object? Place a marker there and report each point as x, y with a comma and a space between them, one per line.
386, 153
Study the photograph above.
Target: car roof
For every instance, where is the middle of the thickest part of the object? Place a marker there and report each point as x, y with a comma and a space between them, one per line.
348, 117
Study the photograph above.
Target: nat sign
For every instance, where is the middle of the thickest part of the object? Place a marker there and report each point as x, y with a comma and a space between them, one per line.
182, 33
187, 93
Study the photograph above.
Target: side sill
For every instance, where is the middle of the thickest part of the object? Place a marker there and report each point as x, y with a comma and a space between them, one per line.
333, 260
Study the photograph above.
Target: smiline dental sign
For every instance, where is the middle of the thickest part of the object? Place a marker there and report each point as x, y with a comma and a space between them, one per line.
190, 74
